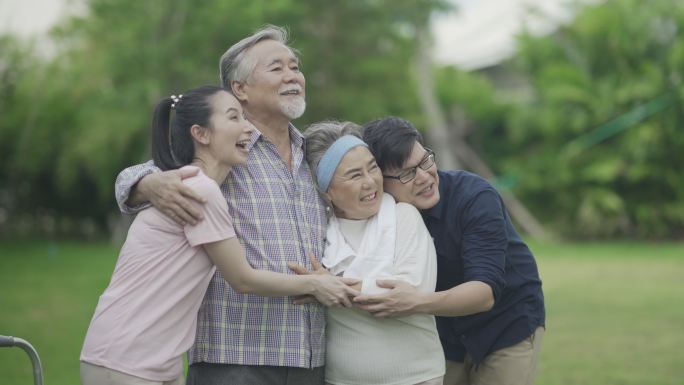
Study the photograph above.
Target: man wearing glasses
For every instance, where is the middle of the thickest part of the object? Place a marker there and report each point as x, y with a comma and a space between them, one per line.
489, 300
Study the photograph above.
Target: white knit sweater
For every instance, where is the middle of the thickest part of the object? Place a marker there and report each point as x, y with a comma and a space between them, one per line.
362, 350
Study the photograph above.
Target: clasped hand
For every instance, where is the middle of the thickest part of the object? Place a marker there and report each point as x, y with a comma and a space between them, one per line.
330, 290
397, 302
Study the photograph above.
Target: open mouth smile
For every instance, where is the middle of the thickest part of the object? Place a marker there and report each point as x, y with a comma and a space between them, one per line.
426, 190
242, 144
293, 91
370, 197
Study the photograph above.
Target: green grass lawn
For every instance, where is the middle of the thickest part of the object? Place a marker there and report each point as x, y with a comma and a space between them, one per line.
615, 311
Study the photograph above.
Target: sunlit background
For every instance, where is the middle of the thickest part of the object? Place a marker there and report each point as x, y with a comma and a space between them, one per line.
573, 109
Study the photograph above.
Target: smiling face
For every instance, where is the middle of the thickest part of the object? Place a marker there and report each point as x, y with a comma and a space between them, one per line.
229, 135
423, 190
356, 187
276, 85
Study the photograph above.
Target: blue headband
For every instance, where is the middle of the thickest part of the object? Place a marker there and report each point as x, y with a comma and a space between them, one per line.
332, 157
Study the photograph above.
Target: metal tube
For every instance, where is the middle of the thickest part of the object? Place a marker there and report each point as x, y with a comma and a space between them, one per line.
7, 341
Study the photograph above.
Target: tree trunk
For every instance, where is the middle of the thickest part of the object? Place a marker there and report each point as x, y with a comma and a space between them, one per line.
438, 135
449, 144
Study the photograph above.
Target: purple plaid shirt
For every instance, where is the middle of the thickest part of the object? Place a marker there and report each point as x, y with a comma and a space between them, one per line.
279, 218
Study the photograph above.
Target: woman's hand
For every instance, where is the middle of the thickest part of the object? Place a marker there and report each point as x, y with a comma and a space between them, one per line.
328, 289
333, 291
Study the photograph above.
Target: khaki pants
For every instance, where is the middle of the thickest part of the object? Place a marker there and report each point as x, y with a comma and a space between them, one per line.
99, 375
514, 365
434, 381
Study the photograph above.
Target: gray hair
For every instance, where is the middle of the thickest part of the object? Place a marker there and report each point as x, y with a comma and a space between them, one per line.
235, 66
320, 136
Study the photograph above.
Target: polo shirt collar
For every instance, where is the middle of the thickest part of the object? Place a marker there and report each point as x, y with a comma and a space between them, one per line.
295, 136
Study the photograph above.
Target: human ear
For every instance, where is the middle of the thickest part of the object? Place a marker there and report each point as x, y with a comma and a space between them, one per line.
327, 198
200, 134
238, 90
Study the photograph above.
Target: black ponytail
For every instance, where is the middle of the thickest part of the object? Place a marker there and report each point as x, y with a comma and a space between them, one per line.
161, 151
172, 144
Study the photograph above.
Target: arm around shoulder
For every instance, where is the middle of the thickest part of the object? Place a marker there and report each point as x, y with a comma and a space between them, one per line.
163, 190
127, 196
467, 298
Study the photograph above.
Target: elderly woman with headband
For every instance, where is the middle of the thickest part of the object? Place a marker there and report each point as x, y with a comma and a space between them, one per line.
370, 237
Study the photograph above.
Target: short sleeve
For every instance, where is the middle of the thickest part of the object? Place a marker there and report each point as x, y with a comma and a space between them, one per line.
485, 241
217, 223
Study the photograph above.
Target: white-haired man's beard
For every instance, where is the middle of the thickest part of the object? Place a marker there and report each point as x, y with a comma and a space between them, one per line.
293, 107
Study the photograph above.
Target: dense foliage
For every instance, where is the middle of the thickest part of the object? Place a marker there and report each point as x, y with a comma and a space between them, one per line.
583, 125
599, 144
586, 124
72, 121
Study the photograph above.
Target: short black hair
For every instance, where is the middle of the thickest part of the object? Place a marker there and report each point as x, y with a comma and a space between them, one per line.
390, 140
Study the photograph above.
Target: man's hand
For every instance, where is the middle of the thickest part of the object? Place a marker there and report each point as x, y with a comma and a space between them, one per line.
330, 290
166, 191
400, 301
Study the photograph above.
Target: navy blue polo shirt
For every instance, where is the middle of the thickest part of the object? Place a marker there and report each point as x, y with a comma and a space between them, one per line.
476, 241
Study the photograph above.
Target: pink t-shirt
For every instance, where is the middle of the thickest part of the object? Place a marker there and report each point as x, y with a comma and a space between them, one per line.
145, 320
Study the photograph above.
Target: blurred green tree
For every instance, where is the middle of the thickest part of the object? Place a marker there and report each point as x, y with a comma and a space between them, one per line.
597, 149
72, 121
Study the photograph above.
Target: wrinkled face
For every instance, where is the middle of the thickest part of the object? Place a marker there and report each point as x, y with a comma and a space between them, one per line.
276, 86
230, 133
422, 191
356, 187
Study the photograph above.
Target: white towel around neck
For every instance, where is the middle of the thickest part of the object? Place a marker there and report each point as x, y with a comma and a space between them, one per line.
375, 255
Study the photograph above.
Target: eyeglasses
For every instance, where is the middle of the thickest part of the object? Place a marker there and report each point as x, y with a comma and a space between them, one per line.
410, 173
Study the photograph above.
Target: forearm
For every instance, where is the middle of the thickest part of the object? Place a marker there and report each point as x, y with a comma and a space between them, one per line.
268, 283
465, 299
230, 260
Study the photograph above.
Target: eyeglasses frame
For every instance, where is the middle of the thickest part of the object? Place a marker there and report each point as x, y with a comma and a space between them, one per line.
413, 171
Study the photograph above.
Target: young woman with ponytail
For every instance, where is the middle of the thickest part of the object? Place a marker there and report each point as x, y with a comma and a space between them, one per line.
145, 319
